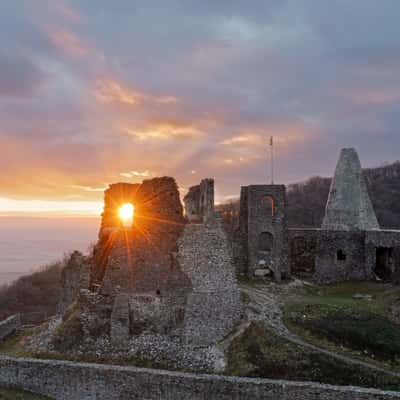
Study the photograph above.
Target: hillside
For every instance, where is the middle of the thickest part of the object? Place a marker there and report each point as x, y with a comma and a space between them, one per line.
35, 296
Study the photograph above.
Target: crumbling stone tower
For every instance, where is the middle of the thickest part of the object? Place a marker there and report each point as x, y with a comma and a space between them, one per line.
205, 255
263, 230
139, 284
199, 201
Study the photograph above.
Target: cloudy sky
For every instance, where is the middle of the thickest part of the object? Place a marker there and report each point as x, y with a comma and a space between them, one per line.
99, 91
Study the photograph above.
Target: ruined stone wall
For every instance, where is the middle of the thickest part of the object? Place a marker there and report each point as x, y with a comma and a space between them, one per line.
142, 258
63, 380
214, 305
192, 204
9, 326
388, 239
137, 285
207, 199
138, 264
263, 223
199, 201
303, 249
240, 245
74, 277
341, 256
240, 251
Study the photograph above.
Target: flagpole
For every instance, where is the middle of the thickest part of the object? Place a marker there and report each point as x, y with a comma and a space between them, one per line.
271, 145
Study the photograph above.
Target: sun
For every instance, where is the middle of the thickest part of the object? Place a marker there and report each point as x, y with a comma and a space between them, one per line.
126, 213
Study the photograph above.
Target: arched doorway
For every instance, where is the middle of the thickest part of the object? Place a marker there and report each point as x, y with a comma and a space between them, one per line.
265, 241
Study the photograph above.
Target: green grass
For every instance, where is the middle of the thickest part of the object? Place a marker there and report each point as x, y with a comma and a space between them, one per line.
341, 295
330, 317
258, 352
14, 394
14, 345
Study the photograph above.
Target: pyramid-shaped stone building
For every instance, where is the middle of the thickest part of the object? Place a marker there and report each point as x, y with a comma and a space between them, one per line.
350, 244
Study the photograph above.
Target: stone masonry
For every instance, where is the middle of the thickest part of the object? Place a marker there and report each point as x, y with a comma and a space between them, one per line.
262, 227
137, 286
349, 206
74, 277
199, 201
159, 280
350, 245
63, 380
214, 305
341, 256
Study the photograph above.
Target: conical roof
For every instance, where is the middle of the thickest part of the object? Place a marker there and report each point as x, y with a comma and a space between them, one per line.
349, 206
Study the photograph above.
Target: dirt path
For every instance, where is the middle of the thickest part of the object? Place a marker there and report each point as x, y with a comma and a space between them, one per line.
265, 306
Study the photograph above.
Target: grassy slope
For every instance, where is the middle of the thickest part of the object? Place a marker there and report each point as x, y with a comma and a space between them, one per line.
259, 352
35, 294
330, 317
13, 394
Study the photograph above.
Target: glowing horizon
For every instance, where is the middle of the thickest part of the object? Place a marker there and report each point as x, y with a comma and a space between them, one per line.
47, 208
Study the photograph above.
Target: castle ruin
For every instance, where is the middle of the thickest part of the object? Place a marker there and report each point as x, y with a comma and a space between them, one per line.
349, 245
166, 283
163, 281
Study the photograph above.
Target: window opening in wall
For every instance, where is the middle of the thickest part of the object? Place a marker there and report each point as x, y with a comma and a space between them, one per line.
341, 255
265, 241
268, 201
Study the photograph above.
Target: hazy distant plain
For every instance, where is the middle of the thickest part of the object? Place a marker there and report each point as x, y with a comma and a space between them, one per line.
28, 243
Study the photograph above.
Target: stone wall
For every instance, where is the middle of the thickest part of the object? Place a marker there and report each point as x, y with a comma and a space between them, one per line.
303, 250
341, 256
136, 283
386, 240
263, 224
74, 277
64, 380
9, 326
150, 243
199, 201
214, 305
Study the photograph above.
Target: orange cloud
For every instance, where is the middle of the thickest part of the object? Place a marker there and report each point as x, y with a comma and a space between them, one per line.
246, 139
89, 188
284, 136
110, 91
167, 100
371, 96
137, 174
164, 130
69, 43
